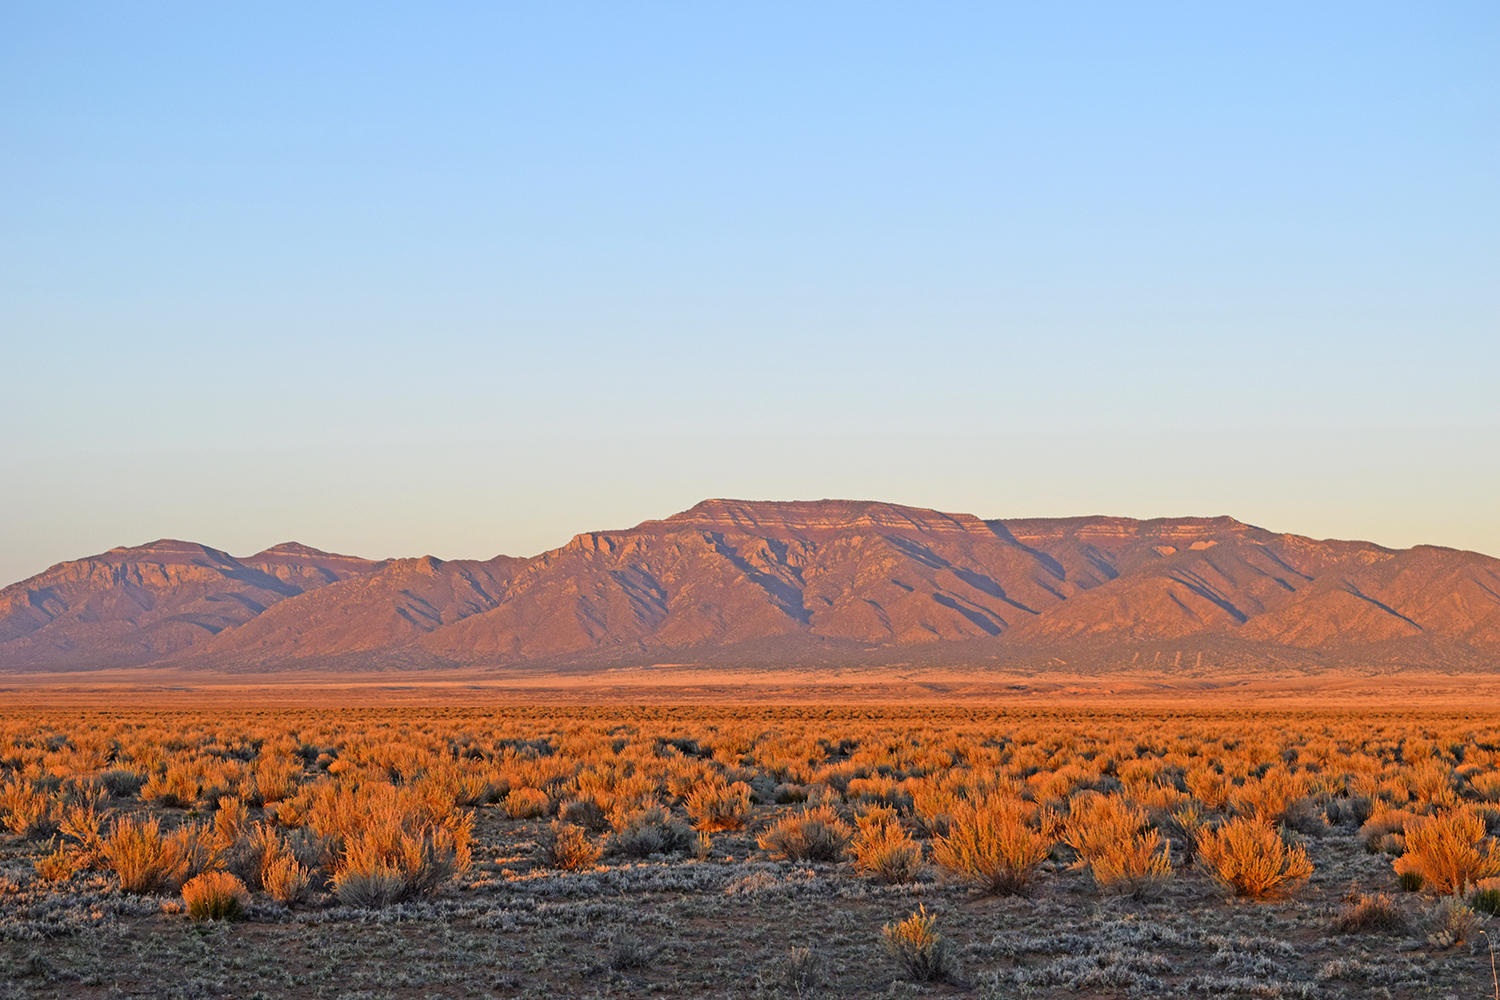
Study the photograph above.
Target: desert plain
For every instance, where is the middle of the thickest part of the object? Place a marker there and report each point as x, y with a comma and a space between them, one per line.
717, 834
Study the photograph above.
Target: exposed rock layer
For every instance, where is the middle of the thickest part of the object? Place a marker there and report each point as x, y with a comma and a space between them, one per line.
762, 583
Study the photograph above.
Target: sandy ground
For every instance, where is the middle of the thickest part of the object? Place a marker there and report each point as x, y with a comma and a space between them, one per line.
679, 684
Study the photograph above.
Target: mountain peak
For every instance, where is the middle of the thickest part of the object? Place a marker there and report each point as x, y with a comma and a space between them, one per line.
818, 515
742, 582
168, 547
292, 549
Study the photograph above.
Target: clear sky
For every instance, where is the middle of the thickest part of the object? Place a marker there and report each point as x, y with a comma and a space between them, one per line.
468, 279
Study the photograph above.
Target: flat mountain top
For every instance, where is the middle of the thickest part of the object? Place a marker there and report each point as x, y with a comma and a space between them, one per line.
753, 583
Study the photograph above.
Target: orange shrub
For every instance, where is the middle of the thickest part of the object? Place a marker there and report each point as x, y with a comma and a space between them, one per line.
923, 953
1209, 787
1251, 859
390, 865
1113, 843
81, 822
1449, 852
148, 861
175, 785
568, 847
996, 844
883, 849
715, 805
527, 803
215, 895
27, 811
284, 879
813, 834
1385, 828
58, 865
1269, 797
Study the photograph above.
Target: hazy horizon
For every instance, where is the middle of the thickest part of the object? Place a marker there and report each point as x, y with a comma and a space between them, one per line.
470, 280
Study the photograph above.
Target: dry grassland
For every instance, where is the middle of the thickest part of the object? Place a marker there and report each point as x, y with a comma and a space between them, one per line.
718, 850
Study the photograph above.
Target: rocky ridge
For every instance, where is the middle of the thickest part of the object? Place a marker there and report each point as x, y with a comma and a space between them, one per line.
762, 583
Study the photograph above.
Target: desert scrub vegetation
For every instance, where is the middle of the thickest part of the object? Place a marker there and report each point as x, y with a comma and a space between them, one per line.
996, 844
1451, 923
640, 833
147, 860
568, 847
1251, 859
922, 953
831, 822
717, 805
883, 849
383, 844
215, 895
58, 865
1448, 852
285, 879
815, 833
1363, 914
1112, 840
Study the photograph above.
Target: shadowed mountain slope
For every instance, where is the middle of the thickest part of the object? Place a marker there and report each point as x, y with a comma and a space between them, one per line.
145, 603
379, 612
770, 583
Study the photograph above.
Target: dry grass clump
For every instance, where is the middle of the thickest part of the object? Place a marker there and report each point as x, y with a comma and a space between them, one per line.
215, 895
885, 850
717, 805
59, 864
1449, 852
1383, 829
264, 860
923, 953
177, 785
996, 844
527, 803
1363, 914
640, 833
933, 808
586, 812
1112, 841
626, 952
816, 833
146, 860
389, 844
1208, 786
1188, 823
1250, 859
274, 778
1277, 796
122, 783
26, 810
285, 880
1451, 923
82, 823
568, 847
1486, 897
802, 972
379, 869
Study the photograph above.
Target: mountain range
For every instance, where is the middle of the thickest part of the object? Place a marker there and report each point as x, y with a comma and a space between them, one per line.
761, 583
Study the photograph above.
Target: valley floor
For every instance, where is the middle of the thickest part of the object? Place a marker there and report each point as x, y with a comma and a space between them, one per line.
724, 914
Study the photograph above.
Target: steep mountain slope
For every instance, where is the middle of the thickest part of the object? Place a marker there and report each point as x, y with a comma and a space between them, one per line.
798, 580
378, 611
729, 572
140, 604
767, 583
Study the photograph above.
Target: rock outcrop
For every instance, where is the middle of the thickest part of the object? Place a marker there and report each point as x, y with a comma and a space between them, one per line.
766, 583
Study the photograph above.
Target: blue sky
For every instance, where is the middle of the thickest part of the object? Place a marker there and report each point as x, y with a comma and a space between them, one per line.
467, 279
